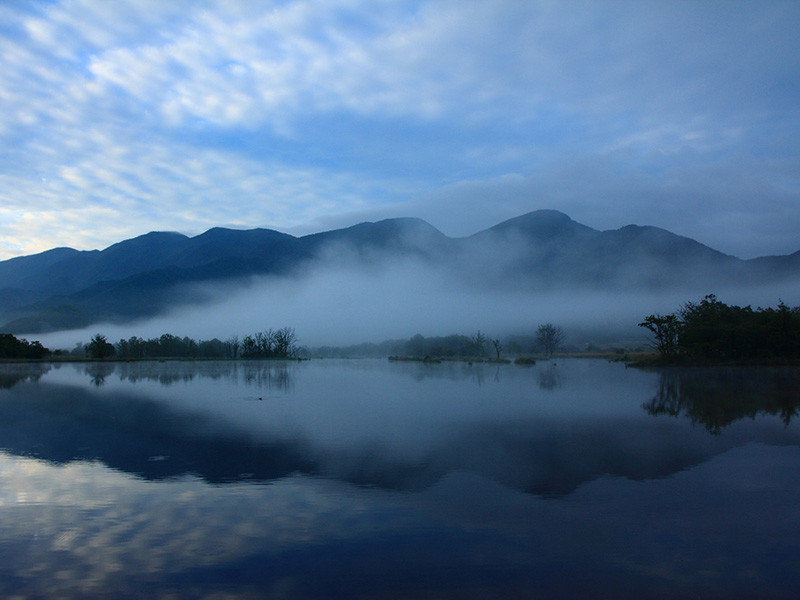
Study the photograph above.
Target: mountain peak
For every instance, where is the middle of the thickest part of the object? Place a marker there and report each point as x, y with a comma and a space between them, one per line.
403, 233
544, 223
149, 239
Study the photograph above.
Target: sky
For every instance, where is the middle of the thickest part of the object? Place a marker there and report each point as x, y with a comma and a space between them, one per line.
120, 118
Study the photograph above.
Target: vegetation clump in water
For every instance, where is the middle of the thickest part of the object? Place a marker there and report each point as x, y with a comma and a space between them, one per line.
280, 343
524, 360
712, 332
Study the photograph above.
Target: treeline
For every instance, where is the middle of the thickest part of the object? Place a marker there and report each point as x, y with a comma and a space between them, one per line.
450, 345
547, 340
712, 331
280, 343
11, 347
477, 345
417, 346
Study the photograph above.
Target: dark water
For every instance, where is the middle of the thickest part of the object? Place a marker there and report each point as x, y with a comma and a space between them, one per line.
372, 479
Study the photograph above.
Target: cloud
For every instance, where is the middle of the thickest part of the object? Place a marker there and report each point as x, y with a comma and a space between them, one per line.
401, 105
124, 186
341, 298
730, 206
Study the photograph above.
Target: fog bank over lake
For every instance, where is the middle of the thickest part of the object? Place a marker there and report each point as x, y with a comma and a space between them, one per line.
349, 303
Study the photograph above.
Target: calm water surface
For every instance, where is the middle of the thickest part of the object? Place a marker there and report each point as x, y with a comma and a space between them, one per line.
375, 479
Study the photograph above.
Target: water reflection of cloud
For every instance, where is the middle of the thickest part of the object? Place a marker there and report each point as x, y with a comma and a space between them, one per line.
85, 528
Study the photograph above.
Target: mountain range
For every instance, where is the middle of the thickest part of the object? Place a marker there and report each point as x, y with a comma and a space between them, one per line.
65, 288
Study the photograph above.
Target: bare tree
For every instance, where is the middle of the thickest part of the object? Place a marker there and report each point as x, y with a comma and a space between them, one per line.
285, 342
549, 337
232, 346
265, 343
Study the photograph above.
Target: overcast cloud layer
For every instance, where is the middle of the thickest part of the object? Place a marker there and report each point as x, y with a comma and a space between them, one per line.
118, 118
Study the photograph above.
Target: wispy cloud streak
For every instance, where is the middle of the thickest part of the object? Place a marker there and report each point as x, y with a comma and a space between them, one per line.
303, 114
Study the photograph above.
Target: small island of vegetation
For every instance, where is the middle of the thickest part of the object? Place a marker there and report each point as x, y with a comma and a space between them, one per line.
481, 348
267, 344
712, 332
270, 343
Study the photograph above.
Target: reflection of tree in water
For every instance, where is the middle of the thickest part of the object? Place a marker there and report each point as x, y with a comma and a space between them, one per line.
455, 370
478, 372
98, 372
269, 375
165, 373
263, 374
716, 397
549, 378
13, 373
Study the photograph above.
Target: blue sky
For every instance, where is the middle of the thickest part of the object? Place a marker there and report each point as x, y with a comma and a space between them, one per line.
119, 118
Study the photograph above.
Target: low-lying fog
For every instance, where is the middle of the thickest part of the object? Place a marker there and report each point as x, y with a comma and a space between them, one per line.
350, 304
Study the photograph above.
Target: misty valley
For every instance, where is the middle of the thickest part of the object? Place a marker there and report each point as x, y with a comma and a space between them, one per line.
431, 418
372, 478
376, 281
406, 300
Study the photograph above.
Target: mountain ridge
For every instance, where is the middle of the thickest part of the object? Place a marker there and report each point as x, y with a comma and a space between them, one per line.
543, 249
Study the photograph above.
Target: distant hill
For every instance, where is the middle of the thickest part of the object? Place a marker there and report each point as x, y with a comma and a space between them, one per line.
545, 249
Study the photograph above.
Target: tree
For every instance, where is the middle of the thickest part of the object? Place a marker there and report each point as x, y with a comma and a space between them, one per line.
498, 347
169, 345
265, 343
549, 337
284, 342
11, 347
190, 347
665, 329
415, 346
213, 348
712, 331
232, 346
99, 347
479, 343
249, 347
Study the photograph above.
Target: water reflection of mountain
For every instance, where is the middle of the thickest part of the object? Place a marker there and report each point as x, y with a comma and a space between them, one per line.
61, 423
716, 397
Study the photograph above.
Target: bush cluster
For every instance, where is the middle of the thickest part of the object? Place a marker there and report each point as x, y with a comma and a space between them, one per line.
281, 343
478, 345
711, 330
11, 347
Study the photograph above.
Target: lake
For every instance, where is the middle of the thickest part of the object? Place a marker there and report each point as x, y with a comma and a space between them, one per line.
379, 479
